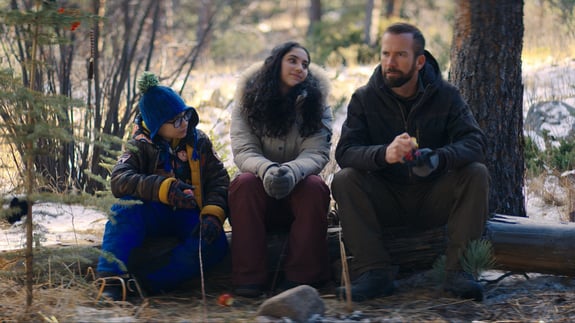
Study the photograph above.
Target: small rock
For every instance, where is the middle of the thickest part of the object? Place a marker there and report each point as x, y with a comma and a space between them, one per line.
299, 304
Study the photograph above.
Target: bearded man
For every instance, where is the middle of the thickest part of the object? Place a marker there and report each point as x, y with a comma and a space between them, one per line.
411, 154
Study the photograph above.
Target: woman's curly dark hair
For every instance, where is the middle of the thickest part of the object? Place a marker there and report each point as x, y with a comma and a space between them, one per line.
269, 113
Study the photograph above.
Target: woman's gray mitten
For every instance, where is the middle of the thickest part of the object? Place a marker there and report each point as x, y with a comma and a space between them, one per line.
283, 183
268, 179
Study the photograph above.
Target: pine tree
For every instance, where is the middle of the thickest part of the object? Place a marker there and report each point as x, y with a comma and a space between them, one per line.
34, 119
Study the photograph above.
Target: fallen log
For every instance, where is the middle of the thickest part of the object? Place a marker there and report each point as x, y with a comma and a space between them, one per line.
519, 245
523, 245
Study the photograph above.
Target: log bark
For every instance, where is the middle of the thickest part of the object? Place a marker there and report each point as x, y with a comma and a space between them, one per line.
523, 245
519, 245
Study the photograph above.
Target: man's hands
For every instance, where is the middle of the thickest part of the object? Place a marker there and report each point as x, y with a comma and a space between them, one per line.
404, 149
399, 148
181, 195
279, 181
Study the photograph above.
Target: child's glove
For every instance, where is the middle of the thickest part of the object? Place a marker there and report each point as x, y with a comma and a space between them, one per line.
210, 227
181, 195
425, 161
283, 182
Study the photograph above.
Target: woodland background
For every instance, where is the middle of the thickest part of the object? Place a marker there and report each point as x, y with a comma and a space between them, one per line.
68, 73
91, 53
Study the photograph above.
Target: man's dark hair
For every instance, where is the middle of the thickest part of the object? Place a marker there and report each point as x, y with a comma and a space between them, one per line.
405, 28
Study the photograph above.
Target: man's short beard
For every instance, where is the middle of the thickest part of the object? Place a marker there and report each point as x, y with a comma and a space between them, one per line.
400, 81
396, 82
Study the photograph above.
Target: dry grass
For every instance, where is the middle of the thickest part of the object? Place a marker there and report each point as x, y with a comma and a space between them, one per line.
516, 298
555, 192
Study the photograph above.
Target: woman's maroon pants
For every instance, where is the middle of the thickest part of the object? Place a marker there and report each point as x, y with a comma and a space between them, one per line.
303, 213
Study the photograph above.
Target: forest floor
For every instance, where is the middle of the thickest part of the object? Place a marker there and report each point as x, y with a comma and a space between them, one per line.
62, 294
529, 297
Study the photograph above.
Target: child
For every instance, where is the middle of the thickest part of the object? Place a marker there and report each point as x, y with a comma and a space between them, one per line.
180, 187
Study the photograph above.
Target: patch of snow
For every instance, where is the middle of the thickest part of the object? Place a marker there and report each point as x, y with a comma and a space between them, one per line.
538, 209
57, 224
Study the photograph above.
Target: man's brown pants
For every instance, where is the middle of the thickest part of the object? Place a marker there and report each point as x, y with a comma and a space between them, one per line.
367, 203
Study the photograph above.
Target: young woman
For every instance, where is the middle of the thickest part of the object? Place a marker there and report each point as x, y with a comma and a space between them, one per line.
179, 188
281, 138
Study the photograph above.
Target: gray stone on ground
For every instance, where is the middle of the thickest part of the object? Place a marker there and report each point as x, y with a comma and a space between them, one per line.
299, 304
557, 118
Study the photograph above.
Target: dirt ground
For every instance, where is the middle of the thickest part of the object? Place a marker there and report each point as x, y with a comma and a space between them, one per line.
513, 298
61, 294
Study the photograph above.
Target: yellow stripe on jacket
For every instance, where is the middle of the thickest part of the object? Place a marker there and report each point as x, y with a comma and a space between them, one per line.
197, 183
196, 175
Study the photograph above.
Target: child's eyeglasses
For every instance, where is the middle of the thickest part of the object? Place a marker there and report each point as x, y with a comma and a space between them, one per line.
177, 121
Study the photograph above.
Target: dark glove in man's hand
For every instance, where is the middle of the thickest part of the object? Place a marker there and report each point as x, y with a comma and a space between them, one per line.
181, 195
210, 227
425, 162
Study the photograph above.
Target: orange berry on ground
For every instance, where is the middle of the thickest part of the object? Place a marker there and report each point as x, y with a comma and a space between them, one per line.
225, 300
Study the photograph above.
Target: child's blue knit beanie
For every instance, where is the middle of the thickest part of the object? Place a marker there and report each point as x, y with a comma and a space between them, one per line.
158, 103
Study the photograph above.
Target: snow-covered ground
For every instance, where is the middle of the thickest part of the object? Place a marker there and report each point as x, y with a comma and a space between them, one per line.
56, 224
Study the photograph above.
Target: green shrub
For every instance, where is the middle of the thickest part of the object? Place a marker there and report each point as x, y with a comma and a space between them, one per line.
534, 158
477, 258
563, 157
559, 158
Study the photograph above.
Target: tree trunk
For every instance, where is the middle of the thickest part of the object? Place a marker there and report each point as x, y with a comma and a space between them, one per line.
314, 14
371, 23
486, 67
204, 30
393, 8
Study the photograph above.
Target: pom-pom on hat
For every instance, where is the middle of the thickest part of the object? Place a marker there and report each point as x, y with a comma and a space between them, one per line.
158, 103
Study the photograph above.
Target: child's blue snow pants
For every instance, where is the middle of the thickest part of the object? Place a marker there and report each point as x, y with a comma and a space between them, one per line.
132, 225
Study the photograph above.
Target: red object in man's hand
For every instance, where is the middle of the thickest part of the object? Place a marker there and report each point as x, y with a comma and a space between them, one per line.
409, 156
